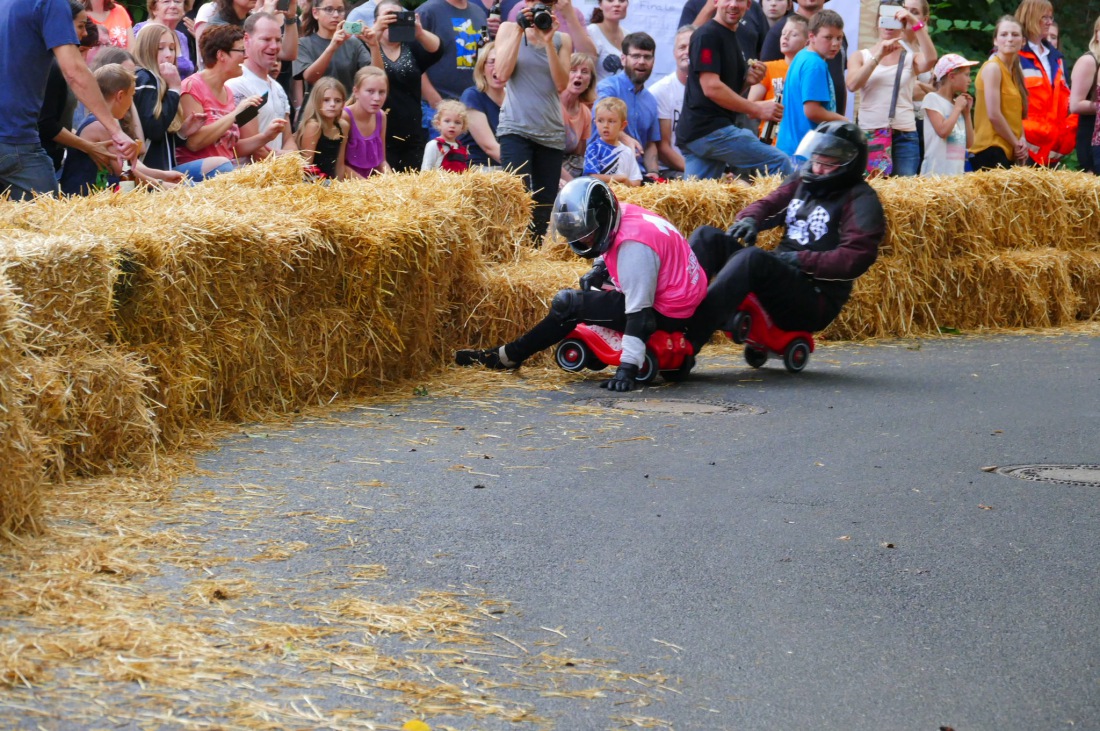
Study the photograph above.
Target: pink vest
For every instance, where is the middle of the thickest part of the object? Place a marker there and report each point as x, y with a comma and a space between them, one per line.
681, 282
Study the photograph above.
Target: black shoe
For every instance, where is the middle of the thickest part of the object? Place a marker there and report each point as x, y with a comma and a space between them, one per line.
490, 358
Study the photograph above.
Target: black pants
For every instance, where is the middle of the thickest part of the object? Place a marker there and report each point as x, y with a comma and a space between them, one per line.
792, 299
989, 159
597, 307
540, 167
406, 152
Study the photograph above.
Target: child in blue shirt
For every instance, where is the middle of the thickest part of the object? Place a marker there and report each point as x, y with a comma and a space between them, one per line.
606, 158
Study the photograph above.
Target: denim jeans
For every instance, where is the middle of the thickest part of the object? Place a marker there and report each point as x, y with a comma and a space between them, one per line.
906, 153
26, 170
193, 169
708, 156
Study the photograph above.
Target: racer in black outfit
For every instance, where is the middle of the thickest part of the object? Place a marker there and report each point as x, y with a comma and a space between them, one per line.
834, 226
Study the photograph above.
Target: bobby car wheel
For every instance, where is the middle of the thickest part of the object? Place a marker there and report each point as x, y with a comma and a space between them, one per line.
797, 355
648, 371
573, 355
755, 357
740, 326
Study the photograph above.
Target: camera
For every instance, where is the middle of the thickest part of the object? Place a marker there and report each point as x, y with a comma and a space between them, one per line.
403, 27
541, 18
353, 27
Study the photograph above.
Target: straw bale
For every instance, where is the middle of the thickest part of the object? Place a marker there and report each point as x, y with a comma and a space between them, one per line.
67, 283
93, 409
1029, 206
694, 203
1084, 271
495, 202
276, 171
890, 300
928, 219
1082, 195
509, 300
21, 456
1023, 288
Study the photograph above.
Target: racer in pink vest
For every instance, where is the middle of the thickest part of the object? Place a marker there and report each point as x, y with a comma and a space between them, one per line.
645, 278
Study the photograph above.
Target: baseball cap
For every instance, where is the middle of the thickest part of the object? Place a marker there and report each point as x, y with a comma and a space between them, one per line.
948, 63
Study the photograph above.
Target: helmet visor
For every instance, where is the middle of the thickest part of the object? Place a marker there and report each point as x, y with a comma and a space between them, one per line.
826, 149
574, 228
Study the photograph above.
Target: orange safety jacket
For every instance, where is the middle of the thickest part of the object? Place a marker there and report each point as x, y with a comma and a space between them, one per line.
1050, 130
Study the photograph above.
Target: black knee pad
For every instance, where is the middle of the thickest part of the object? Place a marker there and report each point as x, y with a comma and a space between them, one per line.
566, 305
641, 324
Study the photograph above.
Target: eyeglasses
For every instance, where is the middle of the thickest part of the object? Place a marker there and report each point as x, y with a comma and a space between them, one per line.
640, 56
170, 2
829, 163
333, 11
237, 50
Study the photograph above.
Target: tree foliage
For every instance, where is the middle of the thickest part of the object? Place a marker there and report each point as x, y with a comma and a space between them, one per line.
967, 27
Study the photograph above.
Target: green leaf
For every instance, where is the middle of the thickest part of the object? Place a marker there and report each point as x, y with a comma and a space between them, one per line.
962, 24
950, 331
942, 24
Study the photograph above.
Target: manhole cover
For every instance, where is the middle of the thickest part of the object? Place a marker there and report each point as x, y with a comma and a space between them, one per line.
672, 406
1083, 475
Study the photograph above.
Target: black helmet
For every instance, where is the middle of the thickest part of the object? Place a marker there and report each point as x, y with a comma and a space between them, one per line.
586, 216
844, 145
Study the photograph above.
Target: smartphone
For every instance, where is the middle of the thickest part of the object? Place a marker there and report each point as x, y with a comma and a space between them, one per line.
282, 6
251, 113
403, 27
353, 27
886, 17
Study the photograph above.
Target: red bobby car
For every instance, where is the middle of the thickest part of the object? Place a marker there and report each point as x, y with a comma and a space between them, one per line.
752, 327
595, 347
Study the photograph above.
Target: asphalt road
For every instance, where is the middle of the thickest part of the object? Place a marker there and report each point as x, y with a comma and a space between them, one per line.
829, 554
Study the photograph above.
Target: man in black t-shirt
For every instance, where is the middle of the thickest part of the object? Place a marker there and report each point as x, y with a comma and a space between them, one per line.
751, 32
715, 94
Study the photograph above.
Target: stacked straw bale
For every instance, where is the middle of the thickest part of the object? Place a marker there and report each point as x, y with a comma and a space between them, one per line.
87, 393
255, 293
21, 460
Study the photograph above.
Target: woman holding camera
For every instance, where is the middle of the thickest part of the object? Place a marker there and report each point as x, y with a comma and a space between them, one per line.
886, 79
404, 62
331, 49
533, 60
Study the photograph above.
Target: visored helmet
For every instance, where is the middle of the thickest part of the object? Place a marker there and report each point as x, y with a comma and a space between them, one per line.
586, 216
841, 147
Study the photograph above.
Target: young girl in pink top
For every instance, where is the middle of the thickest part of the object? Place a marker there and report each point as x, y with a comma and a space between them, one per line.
366, 148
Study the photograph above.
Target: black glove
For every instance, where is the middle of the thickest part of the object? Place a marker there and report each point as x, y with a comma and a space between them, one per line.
790, 258
595, 277
623, 379
744, 231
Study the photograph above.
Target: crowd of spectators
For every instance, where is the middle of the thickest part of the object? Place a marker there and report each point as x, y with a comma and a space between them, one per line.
524, 88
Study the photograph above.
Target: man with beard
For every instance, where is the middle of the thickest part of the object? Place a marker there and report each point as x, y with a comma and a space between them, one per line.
629, 85
262, 43
715, 97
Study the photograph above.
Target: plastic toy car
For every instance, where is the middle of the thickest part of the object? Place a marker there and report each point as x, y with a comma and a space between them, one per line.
595, 347
752, 327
